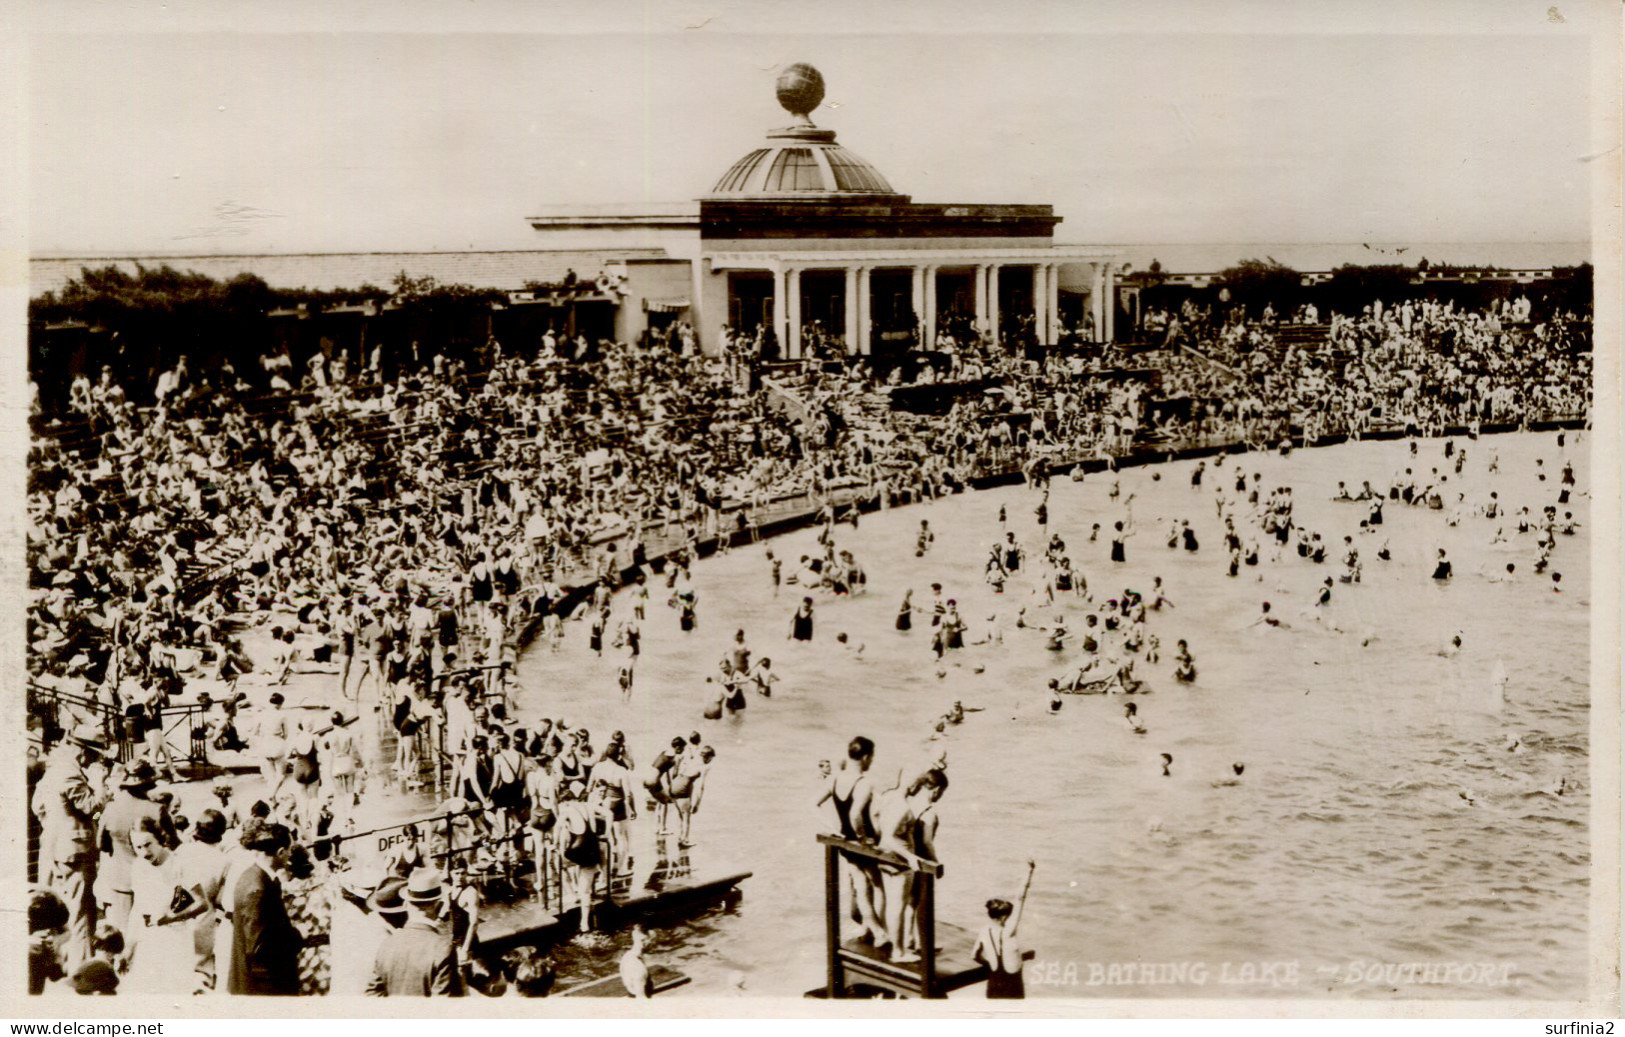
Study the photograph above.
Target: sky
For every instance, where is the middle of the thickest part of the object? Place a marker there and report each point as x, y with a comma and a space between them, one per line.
258, 139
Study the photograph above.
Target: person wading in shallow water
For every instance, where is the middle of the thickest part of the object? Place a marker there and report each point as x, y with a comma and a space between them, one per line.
996, 946
801, 624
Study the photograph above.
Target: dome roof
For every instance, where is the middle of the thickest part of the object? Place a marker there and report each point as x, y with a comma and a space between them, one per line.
800, 161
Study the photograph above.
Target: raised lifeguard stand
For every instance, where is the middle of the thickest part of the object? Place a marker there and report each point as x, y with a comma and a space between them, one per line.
856, 967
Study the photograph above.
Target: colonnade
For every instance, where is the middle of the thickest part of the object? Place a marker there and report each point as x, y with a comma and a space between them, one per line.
924, 283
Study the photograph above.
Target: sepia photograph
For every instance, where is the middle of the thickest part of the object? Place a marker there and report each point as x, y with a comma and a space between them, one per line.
760, 506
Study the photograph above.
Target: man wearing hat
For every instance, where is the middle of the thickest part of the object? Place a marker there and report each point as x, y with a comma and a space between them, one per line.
417, 959
124, 813
68, 802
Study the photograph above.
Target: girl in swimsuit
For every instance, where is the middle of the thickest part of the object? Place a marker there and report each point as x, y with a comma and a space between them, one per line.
1121, 532
801, 624
577, 842
658, 783
953, 627
687, 787
907, 824
612, 787
996, 947
732, 680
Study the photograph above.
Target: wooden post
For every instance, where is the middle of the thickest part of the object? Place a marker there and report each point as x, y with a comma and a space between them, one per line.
832, 919
926, 922
449, 847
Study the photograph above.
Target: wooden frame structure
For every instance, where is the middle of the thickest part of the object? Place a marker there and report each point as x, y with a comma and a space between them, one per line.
855, 966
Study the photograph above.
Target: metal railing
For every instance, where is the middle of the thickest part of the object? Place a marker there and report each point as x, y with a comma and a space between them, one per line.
118, 726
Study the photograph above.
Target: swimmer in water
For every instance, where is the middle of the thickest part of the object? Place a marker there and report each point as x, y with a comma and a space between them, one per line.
1265, 619
1236, 769
1441, 567
1452, 647
956, 713
1184, 664
1158, 598
1054, 695
1131, 715
1167, 765
923, 542
764, 677
1057, 634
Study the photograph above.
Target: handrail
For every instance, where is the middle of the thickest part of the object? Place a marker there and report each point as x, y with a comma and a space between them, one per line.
876, 854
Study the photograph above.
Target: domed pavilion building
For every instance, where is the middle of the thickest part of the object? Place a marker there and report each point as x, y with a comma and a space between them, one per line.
801, 232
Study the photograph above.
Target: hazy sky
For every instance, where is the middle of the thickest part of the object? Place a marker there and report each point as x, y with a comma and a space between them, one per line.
247, 141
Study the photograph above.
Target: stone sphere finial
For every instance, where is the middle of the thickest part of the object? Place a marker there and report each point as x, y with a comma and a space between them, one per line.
800, 89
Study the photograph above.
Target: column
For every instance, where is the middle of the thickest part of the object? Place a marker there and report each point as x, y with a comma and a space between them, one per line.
930, 314
1054, 301
864, 305
793, 342
993, 301
780, 307
1041, 302
852, 311
1097, 295
1110, 302
980, 283
916, 296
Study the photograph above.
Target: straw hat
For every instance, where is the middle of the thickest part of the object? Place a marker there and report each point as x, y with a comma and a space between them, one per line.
387, 899
424, 887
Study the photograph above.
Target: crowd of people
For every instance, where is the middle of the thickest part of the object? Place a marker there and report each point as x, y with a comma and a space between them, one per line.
407, 535
137, 892
1421, 365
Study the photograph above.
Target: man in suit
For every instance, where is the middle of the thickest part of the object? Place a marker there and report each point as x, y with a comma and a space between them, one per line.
68, 802
417, 960
264, 943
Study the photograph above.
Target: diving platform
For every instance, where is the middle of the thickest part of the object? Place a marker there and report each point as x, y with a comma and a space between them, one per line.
528, 922
857, 968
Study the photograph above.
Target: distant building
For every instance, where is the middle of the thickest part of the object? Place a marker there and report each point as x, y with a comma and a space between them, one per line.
798, 230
